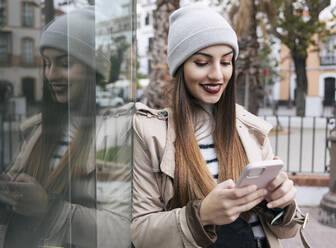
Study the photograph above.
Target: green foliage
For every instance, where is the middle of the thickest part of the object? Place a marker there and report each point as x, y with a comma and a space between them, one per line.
117, 57
118, 154
297, 22
267, 62
115, 61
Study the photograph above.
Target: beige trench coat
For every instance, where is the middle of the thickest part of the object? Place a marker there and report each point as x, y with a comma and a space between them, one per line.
154, 163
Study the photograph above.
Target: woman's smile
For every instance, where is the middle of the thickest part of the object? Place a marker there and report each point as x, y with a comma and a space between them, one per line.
211, 88
59, 86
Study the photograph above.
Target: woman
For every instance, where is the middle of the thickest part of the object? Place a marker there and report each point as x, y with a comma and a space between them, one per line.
188, 156
55, 195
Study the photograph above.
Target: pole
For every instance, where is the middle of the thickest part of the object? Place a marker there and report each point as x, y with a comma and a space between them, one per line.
2, 144
327, 213
247, 90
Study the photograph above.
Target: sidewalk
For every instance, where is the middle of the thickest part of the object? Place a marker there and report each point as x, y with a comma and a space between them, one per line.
317, 235
284, 110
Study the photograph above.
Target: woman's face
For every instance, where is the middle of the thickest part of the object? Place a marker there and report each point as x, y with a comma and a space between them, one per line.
208, 72
65, 75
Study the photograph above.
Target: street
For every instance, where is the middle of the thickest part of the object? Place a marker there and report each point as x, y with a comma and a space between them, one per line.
317, 235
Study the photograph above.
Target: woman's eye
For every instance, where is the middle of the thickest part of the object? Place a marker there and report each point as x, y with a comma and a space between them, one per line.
200, 63
65, 65
66, 62
226, 63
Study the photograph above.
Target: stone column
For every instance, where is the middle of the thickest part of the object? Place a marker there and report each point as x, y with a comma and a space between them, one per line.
327, 214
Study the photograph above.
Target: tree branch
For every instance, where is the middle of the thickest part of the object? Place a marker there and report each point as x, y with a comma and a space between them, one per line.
323, 4
277, 34
315, 9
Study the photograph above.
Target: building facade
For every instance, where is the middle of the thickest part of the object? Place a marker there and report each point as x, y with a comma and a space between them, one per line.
145, 34
20, 30
321, 75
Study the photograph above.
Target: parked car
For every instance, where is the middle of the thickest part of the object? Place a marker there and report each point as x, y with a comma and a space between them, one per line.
107, 99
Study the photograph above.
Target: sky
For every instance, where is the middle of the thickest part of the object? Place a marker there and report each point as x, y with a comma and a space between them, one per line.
106, 8
326, 13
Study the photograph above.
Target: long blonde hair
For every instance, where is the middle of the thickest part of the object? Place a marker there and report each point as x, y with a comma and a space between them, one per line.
192, 179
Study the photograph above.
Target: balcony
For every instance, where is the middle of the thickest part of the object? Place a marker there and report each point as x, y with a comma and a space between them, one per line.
328, 60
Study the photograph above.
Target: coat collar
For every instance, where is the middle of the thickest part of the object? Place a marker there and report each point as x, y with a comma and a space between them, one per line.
247, 125
167, 165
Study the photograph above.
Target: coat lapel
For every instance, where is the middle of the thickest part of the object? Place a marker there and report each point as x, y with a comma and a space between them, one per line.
252, 151
167, 165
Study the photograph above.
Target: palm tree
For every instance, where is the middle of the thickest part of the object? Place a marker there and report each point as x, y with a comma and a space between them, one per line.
159, 76
249, 87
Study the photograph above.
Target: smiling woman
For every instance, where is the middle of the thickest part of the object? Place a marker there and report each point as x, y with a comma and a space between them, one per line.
188, 157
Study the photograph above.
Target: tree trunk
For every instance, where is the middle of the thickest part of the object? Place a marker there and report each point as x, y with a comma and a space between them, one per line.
49, 11
247, 68
301, 83
159, 76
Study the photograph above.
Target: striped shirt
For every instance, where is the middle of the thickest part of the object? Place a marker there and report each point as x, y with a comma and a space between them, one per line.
63, 143
207, 148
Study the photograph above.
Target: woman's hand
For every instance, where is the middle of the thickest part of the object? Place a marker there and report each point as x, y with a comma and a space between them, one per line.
225, 203
25, 196
281, 191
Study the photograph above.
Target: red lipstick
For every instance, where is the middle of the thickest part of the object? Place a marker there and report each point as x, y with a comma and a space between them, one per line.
211, 88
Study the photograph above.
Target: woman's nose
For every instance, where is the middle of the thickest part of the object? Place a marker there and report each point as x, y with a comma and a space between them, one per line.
51, 73
216, 73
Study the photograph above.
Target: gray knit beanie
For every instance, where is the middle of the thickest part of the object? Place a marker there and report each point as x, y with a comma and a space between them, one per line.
195, 27
74, 33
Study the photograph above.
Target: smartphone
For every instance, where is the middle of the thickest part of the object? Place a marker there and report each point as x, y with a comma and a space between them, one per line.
260, 173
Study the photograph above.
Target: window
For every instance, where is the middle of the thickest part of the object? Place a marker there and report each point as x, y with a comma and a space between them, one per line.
2, 12
27, 14
150, 43
28, 89
149, 66
328, 55
329, 91
5, 47
147, 19
27, 51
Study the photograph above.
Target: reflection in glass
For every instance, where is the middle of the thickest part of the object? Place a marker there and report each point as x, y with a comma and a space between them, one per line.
5, 39
70, 184
27, 14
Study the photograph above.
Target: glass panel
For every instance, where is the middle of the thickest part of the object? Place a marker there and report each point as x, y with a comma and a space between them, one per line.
65, 123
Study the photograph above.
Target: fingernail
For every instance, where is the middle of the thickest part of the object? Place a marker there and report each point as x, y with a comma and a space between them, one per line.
265, 192
269, 205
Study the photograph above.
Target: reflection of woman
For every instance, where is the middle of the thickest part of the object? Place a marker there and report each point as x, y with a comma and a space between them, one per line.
187, 158
56, 202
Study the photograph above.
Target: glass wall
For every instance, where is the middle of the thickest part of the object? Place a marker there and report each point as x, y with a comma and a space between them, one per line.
66, 106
